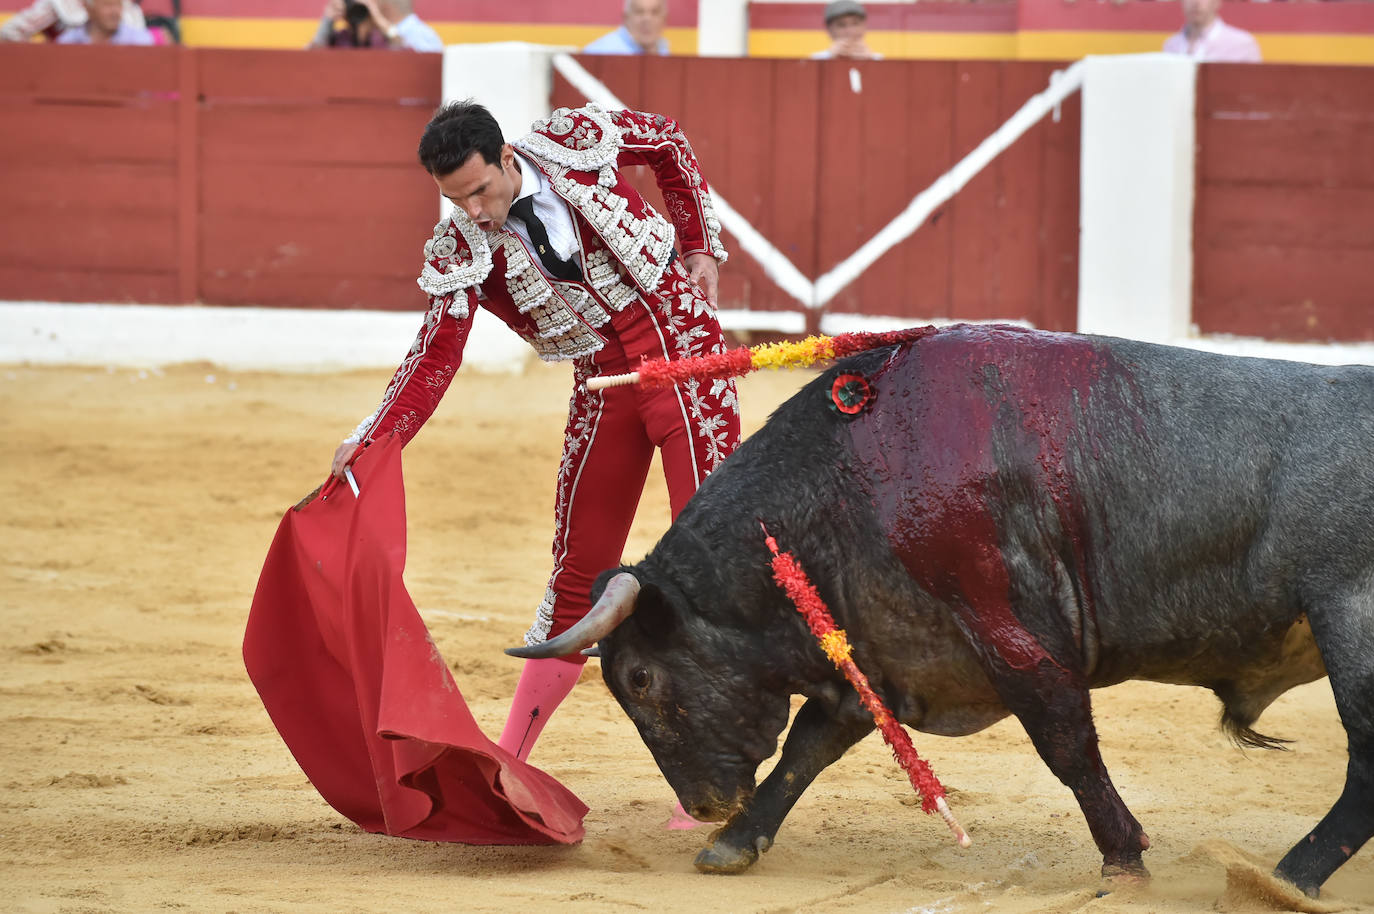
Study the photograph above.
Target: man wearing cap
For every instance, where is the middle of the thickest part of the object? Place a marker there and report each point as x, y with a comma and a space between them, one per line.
846, 22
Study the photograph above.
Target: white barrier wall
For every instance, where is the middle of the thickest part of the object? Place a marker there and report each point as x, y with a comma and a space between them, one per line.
1135, 260
723, 28
239, 338
512, 79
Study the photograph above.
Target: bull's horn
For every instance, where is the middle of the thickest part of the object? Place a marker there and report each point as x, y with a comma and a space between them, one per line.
616, 603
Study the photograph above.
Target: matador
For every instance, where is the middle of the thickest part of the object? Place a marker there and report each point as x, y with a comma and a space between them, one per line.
549, 235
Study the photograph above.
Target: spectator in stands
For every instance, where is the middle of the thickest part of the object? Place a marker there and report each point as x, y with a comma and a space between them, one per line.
846, 22
52, 17
374, 24
105, 25
641, 33
1206, 37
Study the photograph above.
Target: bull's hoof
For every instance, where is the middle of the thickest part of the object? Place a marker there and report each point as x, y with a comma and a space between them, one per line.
723, 859
1124, 874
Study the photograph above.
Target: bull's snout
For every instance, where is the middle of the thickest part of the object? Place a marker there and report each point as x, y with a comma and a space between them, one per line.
710, 812
712, 806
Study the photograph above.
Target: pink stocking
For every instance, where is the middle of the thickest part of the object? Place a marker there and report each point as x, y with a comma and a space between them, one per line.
543, 686
681, 819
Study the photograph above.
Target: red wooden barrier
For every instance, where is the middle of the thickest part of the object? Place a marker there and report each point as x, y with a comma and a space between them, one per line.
281, 177
1284, 220
90, 181
230, 177
288, 178
819, 169
310, 192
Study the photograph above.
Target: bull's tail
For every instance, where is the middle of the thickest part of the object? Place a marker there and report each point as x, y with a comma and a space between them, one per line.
1236, 723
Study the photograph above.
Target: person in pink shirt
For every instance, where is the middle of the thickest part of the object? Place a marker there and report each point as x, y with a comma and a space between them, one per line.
1206, 37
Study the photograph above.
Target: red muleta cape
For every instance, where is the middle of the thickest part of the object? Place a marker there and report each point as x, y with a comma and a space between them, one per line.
359, 692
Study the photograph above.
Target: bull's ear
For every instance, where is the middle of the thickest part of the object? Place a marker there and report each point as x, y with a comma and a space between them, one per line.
655, 616
593, 651
604, 578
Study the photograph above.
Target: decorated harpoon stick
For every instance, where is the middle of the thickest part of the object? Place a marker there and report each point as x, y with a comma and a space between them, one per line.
790, 576
735, 362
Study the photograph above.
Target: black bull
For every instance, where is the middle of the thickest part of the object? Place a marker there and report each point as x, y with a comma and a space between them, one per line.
1019, 517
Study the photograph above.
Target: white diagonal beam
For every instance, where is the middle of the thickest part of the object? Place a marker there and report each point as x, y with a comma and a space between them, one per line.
1062, 85
777, 265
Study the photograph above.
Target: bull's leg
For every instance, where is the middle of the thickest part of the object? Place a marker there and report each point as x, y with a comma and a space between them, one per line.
817, 739
1032, 658
1346, 640
1054, 707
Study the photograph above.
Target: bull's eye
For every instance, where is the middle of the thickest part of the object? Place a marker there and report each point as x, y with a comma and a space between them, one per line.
640, 679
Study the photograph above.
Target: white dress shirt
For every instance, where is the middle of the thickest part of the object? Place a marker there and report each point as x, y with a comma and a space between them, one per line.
551, 209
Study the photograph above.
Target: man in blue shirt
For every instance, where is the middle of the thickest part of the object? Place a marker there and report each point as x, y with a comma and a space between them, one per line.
642, 32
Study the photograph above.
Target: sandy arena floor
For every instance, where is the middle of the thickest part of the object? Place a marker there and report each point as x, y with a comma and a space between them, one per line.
140, 772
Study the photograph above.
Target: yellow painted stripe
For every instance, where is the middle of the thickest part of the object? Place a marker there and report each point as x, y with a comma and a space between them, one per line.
233, 32
898, 45
480, 32
1274, 47
945, 45
1072, 45
1331, 49
213, 32
227, 32
680, 40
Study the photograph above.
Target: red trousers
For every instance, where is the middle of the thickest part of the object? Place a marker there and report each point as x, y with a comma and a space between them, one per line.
611, 436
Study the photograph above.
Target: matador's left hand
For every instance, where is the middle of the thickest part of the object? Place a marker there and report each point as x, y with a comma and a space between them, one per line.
703, 270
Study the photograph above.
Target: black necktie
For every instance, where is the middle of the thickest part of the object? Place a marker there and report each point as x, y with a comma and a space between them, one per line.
523, 209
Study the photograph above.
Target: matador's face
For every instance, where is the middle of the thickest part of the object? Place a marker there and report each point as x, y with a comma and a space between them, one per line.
484, 190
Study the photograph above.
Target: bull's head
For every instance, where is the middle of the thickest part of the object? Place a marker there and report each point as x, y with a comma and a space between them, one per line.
699, 694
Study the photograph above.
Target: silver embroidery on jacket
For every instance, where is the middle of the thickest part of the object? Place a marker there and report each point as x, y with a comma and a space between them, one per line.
460, 268
586, 150
590, 142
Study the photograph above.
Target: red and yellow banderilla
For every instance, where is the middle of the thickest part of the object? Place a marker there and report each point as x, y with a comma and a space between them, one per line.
740, 361
793, 580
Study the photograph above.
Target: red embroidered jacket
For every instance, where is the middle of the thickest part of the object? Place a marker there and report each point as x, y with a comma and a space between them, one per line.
626, 246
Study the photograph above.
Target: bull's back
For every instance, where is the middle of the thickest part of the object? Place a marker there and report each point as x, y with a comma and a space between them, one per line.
1144, 501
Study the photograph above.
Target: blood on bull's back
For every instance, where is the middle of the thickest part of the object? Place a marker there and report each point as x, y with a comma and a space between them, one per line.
1170, 488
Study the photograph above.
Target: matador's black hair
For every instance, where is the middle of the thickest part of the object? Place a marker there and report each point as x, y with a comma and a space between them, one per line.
456, 131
